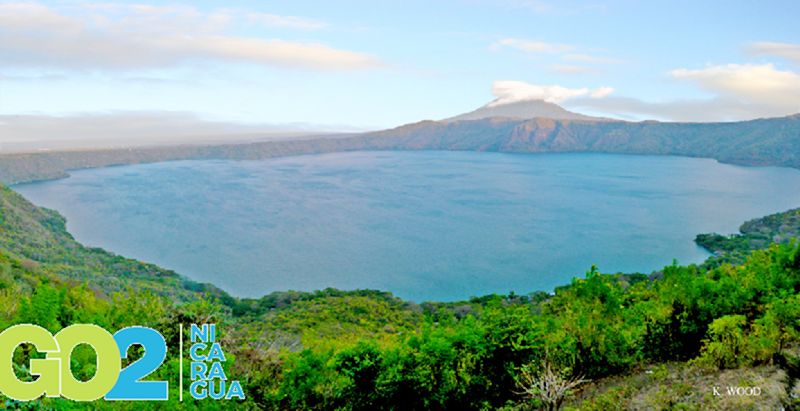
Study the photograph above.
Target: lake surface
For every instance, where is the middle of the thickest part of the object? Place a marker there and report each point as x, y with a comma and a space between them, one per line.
423, 225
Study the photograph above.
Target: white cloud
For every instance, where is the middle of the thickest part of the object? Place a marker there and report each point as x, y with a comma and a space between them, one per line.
758, 84
738, 92
601, 92
137, 36
783, 50
509, 91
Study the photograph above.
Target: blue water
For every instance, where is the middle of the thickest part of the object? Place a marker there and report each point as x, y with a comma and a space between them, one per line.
423, 225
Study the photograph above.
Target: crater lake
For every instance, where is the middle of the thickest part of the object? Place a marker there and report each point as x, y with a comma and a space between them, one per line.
425, 225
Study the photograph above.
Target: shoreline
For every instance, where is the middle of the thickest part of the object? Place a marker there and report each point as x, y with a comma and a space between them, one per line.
706, 250
60, 174
738, 143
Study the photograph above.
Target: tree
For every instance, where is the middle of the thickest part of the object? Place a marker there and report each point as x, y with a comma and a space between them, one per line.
779, 326
42, 308
362, 366
726, 345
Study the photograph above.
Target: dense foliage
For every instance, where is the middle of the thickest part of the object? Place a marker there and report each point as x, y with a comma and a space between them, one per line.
753, 235
369, 350
38, 237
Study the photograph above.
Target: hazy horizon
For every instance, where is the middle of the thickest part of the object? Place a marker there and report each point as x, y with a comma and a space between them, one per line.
95, 72
33, 133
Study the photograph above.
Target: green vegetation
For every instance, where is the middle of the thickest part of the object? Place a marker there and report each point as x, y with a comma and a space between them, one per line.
39, 239
608, 341
754, 235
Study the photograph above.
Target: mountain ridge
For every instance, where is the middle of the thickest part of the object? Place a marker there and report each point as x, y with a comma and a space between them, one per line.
760, 142
523, 110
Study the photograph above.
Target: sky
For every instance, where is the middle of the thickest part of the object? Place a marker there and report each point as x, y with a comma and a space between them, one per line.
70, 68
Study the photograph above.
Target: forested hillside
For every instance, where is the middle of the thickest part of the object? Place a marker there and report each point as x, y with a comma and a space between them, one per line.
755, 234
611, 341
38, 238
771, 142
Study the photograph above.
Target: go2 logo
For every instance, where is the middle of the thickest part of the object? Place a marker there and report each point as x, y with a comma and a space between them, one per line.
110, 380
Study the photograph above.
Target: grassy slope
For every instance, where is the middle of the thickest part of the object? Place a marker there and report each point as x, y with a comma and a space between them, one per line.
680, 386
39, 237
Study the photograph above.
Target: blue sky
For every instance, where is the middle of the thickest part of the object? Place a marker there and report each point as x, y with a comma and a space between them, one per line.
367, 64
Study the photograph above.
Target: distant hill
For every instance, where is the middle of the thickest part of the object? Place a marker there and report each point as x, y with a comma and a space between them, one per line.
756, 234
774, 141
522, 110
762, 142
